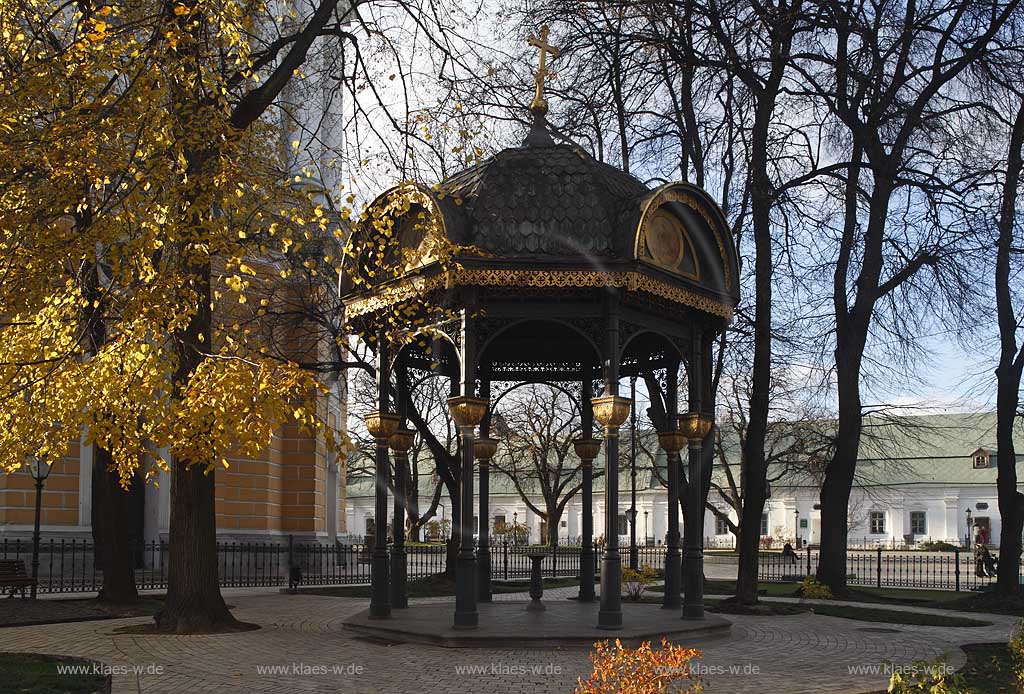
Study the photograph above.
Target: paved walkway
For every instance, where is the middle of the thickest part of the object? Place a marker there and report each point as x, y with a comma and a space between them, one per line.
302, 648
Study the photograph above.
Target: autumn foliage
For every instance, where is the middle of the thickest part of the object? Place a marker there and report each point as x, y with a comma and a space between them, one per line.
643, 670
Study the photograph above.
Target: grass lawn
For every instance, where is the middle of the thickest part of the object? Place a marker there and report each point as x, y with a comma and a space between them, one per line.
864, 614
435, 586
989, 669
18, 612
21, 672
870, 614
942, 599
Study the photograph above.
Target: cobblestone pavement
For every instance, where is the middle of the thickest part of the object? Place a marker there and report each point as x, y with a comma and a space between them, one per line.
301, 647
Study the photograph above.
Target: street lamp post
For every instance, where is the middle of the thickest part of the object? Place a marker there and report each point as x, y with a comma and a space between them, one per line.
39, 468
796, 526
646, 535
967, 536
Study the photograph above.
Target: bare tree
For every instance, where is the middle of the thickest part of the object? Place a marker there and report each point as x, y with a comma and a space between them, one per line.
536, 424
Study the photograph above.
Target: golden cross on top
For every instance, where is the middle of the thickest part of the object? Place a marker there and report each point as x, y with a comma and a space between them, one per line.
545, 48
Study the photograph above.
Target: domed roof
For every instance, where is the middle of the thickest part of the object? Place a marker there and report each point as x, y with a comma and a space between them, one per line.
553, 200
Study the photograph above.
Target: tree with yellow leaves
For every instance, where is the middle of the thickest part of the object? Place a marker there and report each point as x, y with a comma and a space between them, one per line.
142, 197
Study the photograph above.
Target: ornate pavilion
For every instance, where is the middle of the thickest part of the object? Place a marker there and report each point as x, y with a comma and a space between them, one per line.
557, 268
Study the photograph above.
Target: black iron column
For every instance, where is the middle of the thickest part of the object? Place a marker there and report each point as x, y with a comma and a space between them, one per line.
587, 448
401, 442
484, 450
696, 426
611, 411
467, 411
672, 441
381, 425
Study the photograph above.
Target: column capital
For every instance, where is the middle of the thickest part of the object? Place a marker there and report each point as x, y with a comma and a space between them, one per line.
402, 440
484, 448
695, 425
381, 425
466, 410
672, 441
611, 410
587, 448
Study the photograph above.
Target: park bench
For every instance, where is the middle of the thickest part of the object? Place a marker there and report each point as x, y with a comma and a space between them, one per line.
13, 576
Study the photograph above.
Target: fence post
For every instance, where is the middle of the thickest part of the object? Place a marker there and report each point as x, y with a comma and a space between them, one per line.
878, 569
504, 546
291, 566
808, 559
956, 558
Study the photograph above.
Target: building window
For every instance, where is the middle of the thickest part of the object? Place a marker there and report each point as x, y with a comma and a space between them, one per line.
369, 525
499, 521
721, 527
982, 459
877, 522
918, 523
764, 524
623, 524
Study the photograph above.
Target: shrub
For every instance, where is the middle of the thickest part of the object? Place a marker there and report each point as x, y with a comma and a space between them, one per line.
634, 582
1017, 652
811, 589
642, 670
767, 541
937, 546
923, 677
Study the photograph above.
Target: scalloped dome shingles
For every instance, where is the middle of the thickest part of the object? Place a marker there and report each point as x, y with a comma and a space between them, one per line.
552, 200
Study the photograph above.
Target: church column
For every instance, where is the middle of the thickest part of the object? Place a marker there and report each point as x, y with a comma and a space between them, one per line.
484, 450
696, 425
611, 411
587, 448
672, 441
381, 425
467, 411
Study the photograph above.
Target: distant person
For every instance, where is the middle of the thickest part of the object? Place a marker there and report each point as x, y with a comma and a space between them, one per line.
979, 560
788, 553
983, 534
989, 563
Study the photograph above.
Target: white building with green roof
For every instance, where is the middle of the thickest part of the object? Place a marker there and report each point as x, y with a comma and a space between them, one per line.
918, 478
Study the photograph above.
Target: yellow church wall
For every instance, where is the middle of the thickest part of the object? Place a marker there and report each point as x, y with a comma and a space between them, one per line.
59, 499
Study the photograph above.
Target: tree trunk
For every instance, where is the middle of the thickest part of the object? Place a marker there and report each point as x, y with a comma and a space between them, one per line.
835, 491
553, 519
194, 604
111, 524
1008, 374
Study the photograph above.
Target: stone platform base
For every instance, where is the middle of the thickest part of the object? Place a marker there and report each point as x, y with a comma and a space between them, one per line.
510, 625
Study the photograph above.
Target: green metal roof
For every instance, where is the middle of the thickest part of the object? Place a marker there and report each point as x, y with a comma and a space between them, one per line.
925, 450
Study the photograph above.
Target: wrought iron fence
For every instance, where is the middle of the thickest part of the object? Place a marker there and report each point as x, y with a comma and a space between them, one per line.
69, 565
887, 568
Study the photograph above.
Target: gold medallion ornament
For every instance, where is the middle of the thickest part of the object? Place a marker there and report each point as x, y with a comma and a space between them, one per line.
467, 411
381, 425
539, 103
611, 410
